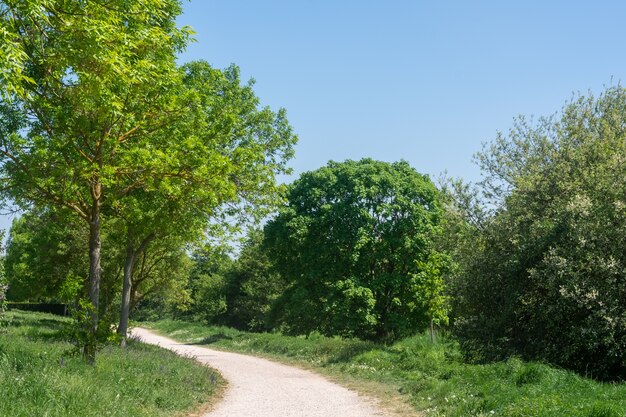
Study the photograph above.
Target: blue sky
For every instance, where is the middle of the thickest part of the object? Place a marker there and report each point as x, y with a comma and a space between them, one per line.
424, 81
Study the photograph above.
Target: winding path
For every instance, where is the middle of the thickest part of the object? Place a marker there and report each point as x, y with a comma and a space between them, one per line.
261, 388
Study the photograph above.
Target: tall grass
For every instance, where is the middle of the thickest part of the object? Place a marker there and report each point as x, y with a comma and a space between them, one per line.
40, 377
433, 377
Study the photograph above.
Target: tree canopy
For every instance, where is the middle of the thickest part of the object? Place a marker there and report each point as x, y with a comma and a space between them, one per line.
354, 244
97, 118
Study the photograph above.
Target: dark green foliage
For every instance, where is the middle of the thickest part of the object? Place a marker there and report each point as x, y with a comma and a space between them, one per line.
51, 308
207, 302
238, 293
251, 287
355, 246
548, 279
45, 253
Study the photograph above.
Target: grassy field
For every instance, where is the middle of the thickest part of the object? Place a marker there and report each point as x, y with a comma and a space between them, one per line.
39, 377
432, 378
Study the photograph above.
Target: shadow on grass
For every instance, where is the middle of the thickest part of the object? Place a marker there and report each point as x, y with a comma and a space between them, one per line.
347, 353
43, 329
214, 338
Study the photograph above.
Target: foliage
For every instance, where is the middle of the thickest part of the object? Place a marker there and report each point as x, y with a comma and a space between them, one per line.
547, 279
39, 377
89, 86
355, 246
45, 260
45, 251
432, 377
206, 284
96, 117
223, 174
463, 222
251, 287
161, 273
237, 292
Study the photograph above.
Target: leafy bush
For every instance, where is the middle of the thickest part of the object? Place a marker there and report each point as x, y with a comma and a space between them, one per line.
251, 287
548, 277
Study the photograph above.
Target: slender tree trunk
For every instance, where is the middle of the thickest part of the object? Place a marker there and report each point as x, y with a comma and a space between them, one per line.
89, 350
129, 266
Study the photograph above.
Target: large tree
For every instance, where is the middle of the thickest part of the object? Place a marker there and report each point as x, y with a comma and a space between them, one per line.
355, 245
91, 85
234, 150
547, 277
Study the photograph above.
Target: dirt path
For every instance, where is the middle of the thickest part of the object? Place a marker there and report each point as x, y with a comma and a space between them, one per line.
261, 388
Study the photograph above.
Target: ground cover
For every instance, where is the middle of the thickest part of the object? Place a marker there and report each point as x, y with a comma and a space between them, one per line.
40, 377
431, 377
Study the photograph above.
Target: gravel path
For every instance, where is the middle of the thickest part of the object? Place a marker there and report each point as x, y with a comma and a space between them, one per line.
261, 388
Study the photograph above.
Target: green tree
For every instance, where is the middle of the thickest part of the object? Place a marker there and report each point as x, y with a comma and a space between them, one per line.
206, 284
234, 150
44, 254
45, 261
161, 273
355, 244
547, 280
86, 97
251, 287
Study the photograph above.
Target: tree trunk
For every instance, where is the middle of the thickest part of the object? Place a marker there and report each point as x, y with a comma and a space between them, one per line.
129, 266
89, 350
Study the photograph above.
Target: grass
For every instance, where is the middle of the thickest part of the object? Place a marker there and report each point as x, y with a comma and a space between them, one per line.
432, 378
39, 376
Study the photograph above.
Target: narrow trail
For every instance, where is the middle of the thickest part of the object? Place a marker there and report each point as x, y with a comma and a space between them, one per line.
262, 388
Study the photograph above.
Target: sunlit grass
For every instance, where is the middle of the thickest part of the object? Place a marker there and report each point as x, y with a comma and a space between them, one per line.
40, 377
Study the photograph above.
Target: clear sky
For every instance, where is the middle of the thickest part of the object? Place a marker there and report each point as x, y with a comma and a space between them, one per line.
424, 81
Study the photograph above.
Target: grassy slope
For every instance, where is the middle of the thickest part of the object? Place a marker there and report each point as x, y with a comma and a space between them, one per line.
433, 377
38, 376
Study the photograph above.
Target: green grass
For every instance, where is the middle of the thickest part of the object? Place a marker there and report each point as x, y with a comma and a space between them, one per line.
433, 378
39, 376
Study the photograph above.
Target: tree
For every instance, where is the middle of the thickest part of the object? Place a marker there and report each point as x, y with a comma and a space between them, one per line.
44, 255
234, 150
161, 273
355, 244
251, 287
91, 86
547, 279
206, 284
